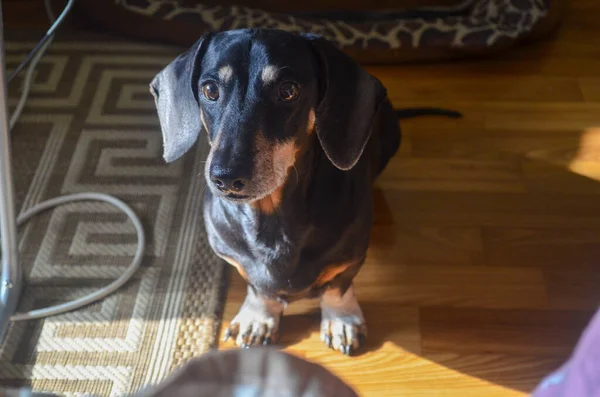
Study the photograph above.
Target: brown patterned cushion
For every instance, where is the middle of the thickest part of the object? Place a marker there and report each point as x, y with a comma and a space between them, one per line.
480, 27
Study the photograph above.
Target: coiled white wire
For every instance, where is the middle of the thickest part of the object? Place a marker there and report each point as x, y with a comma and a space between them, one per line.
45, 205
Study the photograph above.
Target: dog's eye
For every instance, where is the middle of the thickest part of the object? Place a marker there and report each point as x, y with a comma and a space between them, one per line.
210, 91
288, 91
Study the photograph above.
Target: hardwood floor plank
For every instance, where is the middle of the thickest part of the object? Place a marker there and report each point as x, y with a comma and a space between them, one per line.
520, 88
414, 174
516, 372
457, 286
564, 58
573, 285
454, 146
549, 178
540, 333
590, 88
541, 247
489, 209
542, 117
427, 245
561, 162
393, 372
538, 118
387, 323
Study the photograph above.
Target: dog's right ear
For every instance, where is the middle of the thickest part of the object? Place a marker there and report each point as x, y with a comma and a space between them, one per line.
175, 95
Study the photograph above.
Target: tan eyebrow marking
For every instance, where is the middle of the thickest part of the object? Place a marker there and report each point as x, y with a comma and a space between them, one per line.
269, 74
225, 73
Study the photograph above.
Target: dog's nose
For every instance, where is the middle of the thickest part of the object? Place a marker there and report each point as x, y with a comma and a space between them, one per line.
226, 181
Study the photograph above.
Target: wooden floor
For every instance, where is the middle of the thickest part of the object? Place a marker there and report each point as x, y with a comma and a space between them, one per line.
485, 262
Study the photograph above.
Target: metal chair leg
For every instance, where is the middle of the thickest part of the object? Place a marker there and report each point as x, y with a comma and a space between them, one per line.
11, 278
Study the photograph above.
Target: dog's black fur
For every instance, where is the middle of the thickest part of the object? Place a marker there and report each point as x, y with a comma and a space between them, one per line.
289, 199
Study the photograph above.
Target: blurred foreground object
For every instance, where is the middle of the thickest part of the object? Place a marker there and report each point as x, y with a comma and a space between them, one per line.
580, 375
264, 372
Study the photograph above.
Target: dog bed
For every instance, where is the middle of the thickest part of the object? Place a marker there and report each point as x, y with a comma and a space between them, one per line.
473, 28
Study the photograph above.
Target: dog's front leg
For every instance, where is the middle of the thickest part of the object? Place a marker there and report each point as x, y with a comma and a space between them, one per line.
257, 322
343, 325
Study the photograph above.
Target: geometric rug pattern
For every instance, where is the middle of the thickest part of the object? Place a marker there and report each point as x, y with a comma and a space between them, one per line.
90, 125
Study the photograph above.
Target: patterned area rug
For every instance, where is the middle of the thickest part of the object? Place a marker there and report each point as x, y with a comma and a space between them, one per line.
90, 125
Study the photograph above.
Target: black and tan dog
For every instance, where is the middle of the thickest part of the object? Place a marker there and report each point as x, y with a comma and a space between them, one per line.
298, 133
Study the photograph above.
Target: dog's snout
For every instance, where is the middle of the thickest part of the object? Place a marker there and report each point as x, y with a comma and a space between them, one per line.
227, 181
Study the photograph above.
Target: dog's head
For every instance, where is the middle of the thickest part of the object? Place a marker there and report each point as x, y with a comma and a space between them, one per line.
259, 95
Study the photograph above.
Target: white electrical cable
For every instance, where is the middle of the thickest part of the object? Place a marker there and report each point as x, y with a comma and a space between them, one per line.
104, 291
45, 205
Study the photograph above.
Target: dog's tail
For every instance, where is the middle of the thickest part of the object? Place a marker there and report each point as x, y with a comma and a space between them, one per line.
427, 111
391, 137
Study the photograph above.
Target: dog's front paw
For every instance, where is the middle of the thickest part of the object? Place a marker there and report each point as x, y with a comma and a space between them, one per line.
346, 334
250, 330
256, 323
343, 326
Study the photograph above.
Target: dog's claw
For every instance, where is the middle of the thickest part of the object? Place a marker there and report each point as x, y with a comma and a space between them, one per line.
250, 335
347, 350
342, 323
342, 336
227, 335
256, 323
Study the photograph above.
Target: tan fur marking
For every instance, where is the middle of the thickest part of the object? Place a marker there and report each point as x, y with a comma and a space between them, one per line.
226, 74
269, 74
268, 205
284, 157
235, 264
274, 161
311, 121
331, 272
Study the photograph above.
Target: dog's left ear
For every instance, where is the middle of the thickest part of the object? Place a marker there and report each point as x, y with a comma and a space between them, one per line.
175, 95
349, 101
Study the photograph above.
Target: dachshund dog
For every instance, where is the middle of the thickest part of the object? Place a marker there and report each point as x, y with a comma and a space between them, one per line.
298, 132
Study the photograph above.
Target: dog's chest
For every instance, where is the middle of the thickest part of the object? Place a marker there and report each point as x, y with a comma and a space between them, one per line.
266, 250
288, 251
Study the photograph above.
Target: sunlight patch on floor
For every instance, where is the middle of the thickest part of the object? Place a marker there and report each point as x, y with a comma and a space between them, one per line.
587, 160
408, 374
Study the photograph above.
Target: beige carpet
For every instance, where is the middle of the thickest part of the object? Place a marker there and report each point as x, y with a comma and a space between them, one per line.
90, 125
